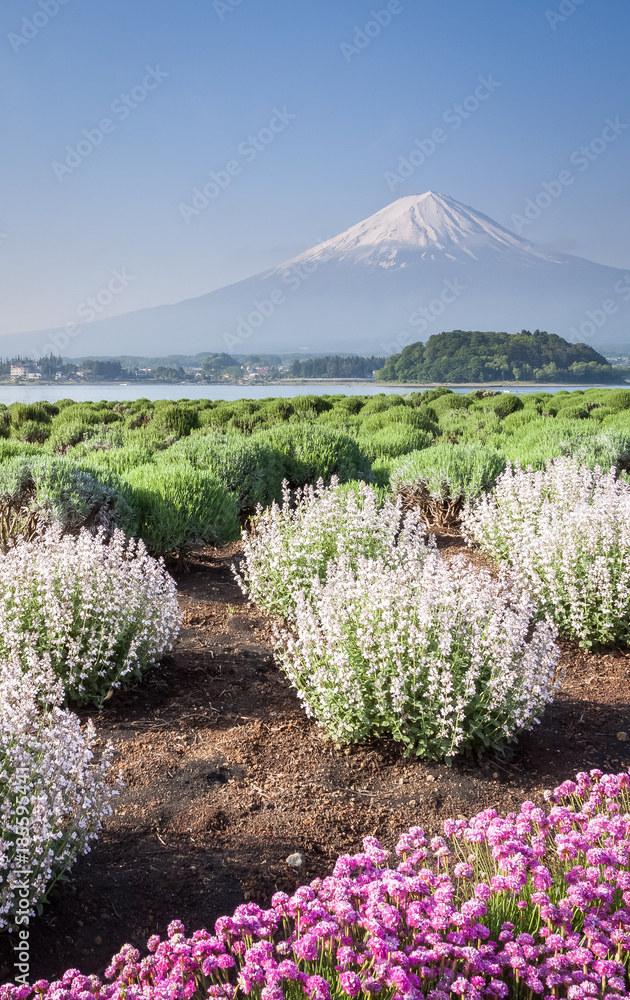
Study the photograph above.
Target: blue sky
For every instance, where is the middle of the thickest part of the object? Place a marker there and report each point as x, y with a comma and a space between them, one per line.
337, 110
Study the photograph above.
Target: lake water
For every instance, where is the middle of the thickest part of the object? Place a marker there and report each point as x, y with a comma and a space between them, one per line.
116, 391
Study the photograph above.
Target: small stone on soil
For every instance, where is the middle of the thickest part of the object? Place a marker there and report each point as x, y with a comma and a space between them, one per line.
296, 860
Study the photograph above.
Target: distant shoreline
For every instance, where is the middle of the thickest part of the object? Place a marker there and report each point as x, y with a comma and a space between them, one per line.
448, 385
321, 382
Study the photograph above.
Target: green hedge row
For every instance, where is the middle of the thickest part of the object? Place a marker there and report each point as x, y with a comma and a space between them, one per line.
184, 473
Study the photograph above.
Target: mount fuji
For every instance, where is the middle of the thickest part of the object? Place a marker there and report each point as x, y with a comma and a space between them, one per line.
423, 264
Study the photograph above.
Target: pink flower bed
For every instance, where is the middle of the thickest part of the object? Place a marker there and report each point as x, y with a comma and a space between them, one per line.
536, 904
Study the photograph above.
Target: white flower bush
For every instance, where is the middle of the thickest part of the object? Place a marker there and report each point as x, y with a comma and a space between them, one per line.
104, 612
289, 546
53, 794
440, 656
566, 533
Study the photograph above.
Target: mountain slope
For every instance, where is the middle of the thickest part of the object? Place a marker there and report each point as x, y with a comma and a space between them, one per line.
420, 265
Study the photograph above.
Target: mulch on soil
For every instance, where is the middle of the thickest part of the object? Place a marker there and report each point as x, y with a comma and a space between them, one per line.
225, 777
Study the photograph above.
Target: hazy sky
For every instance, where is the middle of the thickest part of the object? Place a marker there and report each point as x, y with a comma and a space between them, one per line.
332, 94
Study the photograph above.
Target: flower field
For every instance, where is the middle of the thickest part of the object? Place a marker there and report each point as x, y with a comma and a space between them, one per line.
535, 903
233, 730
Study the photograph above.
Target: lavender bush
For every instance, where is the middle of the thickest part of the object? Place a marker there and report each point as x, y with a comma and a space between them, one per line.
566, 533
104, 612
53, 796
440, 656
533, 905
290, 545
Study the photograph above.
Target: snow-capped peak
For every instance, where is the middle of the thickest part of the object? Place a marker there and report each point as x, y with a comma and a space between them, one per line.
428, 226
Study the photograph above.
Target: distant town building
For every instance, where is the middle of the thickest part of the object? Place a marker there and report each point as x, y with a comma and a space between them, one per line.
22, 370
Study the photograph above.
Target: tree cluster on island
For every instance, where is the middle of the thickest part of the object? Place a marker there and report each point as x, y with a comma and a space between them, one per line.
334, 366
474, 356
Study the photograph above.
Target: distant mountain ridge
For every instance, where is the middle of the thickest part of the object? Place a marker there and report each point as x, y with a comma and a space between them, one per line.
423, 264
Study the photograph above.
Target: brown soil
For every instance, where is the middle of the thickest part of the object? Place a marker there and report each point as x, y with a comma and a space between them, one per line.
225, 777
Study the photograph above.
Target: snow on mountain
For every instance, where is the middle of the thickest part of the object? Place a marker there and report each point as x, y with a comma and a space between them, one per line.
429, 226
423, 264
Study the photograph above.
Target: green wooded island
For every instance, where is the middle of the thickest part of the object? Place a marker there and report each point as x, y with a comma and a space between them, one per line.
473, 356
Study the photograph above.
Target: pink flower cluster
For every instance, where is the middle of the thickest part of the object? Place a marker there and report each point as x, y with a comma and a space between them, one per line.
536, 904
